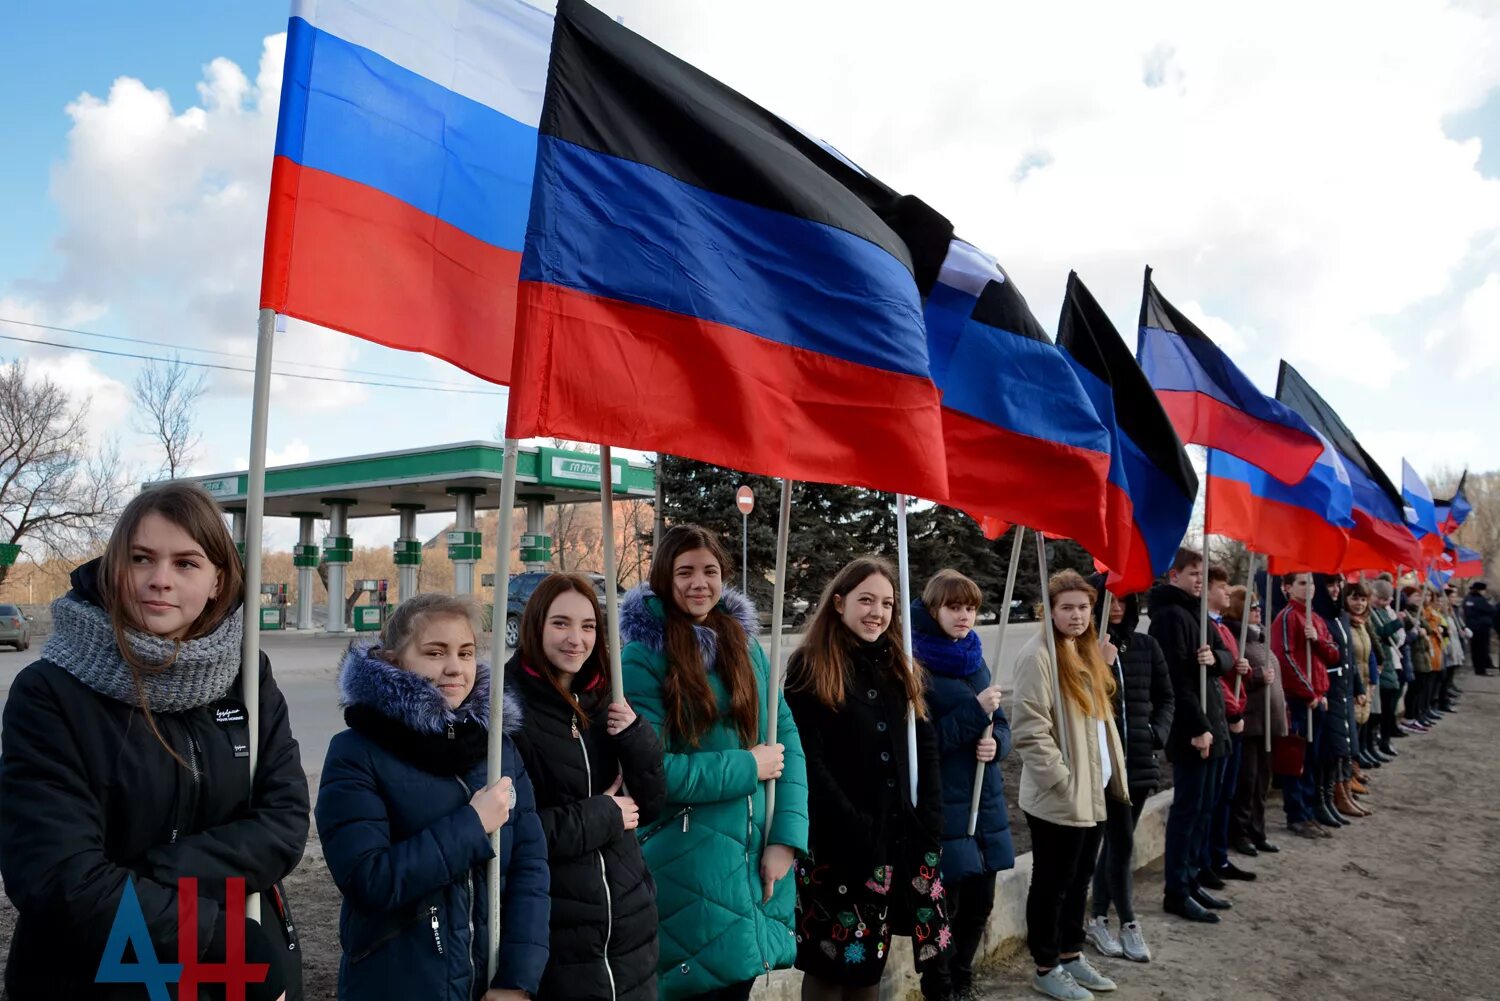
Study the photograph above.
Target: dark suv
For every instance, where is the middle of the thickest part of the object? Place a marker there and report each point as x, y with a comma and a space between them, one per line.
521, 587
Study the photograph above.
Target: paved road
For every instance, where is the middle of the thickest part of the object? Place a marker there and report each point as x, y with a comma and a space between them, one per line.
307, 670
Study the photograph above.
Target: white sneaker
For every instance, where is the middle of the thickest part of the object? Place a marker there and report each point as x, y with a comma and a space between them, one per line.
1133, 943
1086, 976
1059, 983
1101, 938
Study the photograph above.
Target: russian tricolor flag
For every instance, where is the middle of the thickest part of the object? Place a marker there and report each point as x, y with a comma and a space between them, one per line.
1211, 402
1380, 538
402, 180
701, 278
1423, 519
1302, 527
1024, 444
1151, 483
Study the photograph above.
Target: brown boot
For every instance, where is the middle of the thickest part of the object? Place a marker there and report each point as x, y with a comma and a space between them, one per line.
1357, 787
1343, 802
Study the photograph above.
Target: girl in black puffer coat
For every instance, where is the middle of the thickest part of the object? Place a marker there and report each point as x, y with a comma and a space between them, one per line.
579, 750
1143, 715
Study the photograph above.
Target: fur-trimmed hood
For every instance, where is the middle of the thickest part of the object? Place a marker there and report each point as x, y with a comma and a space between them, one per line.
643, 620
366, 679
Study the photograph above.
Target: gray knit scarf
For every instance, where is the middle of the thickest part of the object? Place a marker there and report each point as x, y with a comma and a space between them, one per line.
83, 644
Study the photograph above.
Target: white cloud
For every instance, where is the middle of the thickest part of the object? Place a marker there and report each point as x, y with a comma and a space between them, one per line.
107, 399
1479, 329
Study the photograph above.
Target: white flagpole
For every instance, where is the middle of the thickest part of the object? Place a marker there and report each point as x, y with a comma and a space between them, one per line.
1047, 629
989, 731
1239, 683
778, 610
1203, 613
497, 678
903, 561
1311, 583
1265, 629
255, 510
611, 596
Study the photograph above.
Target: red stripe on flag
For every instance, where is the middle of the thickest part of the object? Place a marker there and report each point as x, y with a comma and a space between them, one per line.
350, 258
1201, 419
596, 369
1268, 526
1027, 481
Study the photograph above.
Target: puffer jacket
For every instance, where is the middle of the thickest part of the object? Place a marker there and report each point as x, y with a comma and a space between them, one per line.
1341, 686
1143, 700
603, 939
705, 852
1174, 626
409, 853
956, 674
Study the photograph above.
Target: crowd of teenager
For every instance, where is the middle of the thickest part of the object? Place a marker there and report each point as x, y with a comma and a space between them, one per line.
708, 828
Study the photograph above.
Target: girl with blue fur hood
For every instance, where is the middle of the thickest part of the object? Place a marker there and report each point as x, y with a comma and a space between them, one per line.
405, 810
963, 702
694, 670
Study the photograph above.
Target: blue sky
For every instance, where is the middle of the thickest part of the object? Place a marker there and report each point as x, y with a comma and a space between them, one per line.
1331, 196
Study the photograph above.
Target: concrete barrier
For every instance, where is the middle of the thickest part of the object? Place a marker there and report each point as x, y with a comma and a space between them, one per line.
1007, 928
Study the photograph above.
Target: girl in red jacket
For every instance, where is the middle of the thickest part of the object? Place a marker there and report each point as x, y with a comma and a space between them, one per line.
1304, 649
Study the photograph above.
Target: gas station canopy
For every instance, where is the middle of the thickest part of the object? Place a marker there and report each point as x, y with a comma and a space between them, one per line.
430, 477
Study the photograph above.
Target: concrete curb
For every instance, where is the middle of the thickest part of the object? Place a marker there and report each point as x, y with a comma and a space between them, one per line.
1007, 927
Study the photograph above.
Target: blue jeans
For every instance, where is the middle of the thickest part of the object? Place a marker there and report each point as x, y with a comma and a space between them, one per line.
1195, 791
1217, 856
1300, 793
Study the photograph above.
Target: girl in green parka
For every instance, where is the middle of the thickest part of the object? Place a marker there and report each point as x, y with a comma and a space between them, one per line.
694, 670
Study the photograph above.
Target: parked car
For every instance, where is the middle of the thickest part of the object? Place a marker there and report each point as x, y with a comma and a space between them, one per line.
793, 616
521, 587
15, 627
1024, 611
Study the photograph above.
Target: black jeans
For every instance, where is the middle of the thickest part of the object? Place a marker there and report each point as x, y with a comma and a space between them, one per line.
1195, 790
1388, 699
1062, 863
1114, 875
1247, 817
734, 992
1216, 850
1479, 650
970, 902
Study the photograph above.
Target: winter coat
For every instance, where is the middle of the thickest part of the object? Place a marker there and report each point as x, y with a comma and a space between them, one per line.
1234, 705
1385, 627
1336, 735
705, 852
1419, 641
1143, 701
1303, 679
956, 674
1174, 626
1065, 790
91, 802
1263, 675
603, 938
1479, 613
410, 854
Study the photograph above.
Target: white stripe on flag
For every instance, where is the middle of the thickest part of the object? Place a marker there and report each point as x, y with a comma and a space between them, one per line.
968, 268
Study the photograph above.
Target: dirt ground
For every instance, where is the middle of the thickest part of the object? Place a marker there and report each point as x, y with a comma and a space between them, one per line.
1401, 905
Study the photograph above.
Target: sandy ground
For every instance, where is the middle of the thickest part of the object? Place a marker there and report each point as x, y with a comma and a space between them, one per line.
1401, 905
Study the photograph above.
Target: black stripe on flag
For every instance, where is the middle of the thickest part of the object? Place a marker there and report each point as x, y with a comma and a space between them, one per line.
1295, 392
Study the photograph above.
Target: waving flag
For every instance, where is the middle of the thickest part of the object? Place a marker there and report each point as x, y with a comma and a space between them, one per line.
1380, 538
401, 183
1151, 487
1211, 402
702, 278
1301, 527
1423, 519
1454, 511
1467, 562
1024, 444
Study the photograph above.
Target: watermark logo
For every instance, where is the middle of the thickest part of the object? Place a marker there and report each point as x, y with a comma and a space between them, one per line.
130, 930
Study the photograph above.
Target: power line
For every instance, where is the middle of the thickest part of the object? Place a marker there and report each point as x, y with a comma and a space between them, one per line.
235, 368
224, 354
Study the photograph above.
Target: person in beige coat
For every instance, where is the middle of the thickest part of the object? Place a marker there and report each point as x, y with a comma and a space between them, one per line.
1064, 782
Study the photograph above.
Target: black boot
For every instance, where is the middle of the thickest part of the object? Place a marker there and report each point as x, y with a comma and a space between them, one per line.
1323, 811
1387, 749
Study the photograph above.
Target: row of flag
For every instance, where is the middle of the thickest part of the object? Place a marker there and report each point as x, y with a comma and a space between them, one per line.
650, 259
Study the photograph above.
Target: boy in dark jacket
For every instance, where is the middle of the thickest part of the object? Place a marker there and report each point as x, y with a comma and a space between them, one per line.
1143, 715
1199, 736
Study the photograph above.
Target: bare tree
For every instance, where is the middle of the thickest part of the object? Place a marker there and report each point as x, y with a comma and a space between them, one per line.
166, 410
634, 521
54, 489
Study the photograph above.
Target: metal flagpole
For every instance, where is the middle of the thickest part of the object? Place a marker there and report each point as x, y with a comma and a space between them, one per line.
255, 510
1265, 628
989, 731
778, 609
611, 593
1203, 613
1239, 683
1047, 629
497, 677
903, 561
1308, 644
